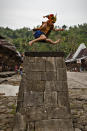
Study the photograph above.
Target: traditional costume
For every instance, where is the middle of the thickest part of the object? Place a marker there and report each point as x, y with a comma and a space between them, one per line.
47, 28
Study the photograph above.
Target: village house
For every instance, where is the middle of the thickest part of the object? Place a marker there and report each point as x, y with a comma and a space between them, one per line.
77, 61
9, 57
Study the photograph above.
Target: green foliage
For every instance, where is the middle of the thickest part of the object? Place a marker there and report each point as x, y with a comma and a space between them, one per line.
71, 38
13, 109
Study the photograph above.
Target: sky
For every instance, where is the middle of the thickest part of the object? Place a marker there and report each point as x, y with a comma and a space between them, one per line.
17, 14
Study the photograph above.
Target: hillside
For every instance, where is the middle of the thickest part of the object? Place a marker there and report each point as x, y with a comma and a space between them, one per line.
71, 38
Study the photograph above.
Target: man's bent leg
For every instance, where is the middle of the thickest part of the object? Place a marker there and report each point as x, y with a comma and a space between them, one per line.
42, 37
52, 42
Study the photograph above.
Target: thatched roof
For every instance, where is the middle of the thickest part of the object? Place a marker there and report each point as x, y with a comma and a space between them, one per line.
5, 44
81, 53
8, 52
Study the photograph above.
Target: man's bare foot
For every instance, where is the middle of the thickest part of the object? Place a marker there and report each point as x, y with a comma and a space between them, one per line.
30, 43
58, 41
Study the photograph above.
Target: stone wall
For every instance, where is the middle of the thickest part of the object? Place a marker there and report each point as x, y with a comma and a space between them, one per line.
43, 103
78, 104
7, 112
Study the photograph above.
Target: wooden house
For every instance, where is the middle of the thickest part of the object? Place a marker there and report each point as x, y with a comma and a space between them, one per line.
77, 61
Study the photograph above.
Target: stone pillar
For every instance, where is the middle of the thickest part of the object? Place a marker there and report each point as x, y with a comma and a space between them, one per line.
43, 103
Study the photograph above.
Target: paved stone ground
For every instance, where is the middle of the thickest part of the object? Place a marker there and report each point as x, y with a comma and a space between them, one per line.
9, 90
77, 84
77, 79
8, 79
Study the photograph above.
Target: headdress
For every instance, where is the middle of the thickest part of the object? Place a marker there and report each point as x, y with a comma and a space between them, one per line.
51, 17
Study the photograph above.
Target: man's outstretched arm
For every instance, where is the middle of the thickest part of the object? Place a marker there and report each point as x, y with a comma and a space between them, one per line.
58, 29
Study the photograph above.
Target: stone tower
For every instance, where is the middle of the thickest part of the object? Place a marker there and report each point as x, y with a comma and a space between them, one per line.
43, 103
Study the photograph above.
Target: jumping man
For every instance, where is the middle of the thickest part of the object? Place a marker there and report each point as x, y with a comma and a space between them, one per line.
42, 32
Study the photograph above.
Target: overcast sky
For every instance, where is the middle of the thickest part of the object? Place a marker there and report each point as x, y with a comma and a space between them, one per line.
28, 13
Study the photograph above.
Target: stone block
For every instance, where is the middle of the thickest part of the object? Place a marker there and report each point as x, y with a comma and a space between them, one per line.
59, 62
61, 86
40, 59
35, 67
56, 86
33, 98
33, 75
50, 64
35, 85
50, 98
48, 76
27, 60
36, 113
64, 86
77, 129
56, 112
63, 99
31, 59
30, 126
50, 86
54, 125
61, 74
20, 124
